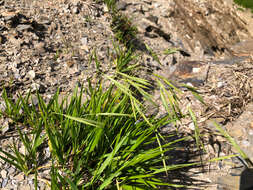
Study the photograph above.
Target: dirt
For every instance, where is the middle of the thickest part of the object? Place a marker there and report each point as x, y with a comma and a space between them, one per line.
46, 44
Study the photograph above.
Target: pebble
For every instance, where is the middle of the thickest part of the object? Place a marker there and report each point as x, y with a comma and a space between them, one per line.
22, 27
5, 126
17, 76
39, 46
192, 126
84, 41
19, 177
75, 10
11, 170
4, 183
22, 149
4, 173
25, 187
121, 5
31, 74
245, 143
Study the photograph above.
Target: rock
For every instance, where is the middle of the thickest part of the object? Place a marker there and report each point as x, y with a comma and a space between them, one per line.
15, 41
153, 19
84, 41
2, 106
4, 183
11, 170
19, 177
17, 76
192, 126
25, 187
245, 143
42, 89
188, 72
4, 173
75, 10
236, 132
31, 74
121, 5
244, 48
5, 126
22, 149
22, 27
251, 125
40, 47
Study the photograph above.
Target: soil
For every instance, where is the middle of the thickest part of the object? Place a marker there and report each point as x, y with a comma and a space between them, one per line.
46, 44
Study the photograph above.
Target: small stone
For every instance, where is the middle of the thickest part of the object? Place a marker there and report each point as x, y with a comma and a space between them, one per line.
106, 10
22, 27
5, 126
70, 63
25, 187
30, 181
35, 86
17, 76
192, 126
4, 183
11, 170
42, 89
14, 41
75, 10
220, 84
31, 74
245, 143
121, 5
85, 48
84, 40
153, 19
237, 133
2, 106
19, 177
22, 149
40, 47
251, 125
4, 173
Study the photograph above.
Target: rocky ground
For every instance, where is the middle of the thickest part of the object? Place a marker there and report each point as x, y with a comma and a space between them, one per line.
46, 44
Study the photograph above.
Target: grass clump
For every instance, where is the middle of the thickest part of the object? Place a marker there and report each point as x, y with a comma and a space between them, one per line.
121, 25
99, 138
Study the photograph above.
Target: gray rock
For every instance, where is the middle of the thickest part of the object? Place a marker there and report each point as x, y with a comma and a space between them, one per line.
4, 183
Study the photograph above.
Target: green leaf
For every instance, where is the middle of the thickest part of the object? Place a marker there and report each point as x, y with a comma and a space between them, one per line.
84, 121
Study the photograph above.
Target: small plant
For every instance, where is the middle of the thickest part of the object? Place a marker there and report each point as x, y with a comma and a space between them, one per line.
122, 27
